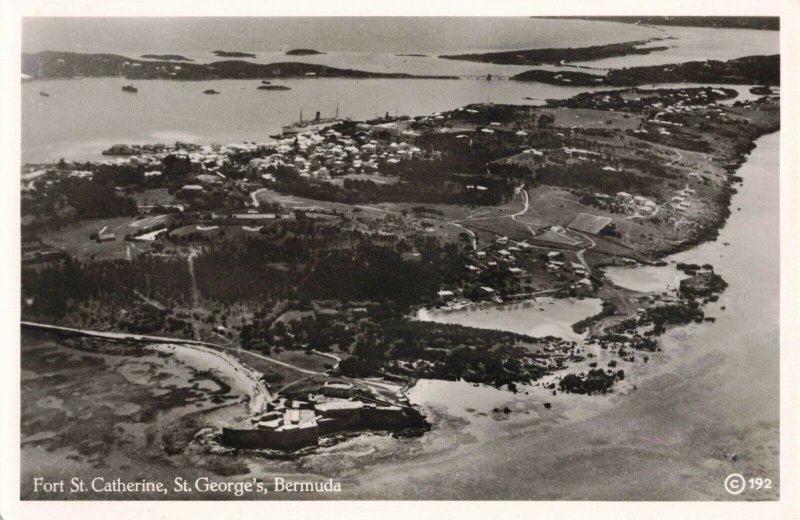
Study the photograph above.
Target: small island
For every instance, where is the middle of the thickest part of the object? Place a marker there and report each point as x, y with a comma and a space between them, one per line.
233, 54
210, 91
763, 90
166, 57
272, 87
303, 52
412, 55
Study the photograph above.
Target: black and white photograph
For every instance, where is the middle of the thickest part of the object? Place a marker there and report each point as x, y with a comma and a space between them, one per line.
503, 256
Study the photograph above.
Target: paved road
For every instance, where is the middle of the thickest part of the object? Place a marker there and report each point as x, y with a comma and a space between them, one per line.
159, 339
163, 339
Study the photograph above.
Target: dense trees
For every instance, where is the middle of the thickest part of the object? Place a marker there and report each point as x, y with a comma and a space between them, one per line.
54, 289
589, 175
310, 265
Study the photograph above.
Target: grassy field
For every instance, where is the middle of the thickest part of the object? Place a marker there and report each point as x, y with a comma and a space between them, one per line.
74, 239
590, 118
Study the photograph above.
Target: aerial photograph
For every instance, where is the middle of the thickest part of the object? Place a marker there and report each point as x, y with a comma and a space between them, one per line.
400, 258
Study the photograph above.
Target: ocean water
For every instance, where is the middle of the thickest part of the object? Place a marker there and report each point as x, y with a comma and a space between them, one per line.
698, 44
82, 117
379, 35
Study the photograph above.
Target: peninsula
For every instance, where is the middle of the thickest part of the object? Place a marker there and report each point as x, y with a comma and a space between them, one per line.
557, 55
761, 70
50, 65
763, 23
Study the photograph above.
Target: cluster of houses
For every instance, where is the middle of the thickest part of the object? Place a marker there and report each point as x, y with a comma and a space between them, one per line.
680, 201
29, 179
327, 153
317, 154
504, 255
641, 204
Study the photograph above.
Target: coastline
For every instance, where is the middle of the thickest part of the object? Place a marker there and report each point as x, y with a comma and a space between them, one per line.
66, 65
661, 432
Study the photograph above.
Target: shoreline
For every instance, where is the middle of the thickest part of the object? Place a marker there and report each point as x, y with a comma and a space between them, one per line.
71, 65
711, 233
555, 56
257, 398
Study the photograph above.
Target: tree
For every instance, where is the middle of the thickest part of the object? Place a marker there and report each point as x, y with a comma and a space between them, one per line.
546, 120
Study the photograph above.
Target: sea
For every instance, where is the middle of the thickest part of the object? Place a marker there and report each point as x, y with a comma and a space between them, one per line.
80, 118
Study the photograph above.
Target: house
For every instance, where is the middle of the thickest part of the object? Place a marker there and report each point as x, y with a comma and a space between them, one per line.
446, 295
106, 236
332, 389
191, 189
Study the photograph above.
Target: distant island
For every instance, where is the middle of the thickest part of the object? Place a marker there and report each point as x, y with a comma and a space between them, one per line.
414, 55
556, 56
233, 54
761, 70
272, 87
302, 52
51, 64
764, 23
168, 57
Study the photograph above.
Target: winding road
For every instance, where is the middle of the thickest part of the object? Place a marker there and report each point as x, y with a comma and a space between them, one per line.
526, 205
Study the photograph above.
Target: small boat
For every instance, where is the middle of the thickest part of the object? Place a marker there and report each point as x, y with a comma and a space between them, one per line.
43, 93
130, 88
210, 91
